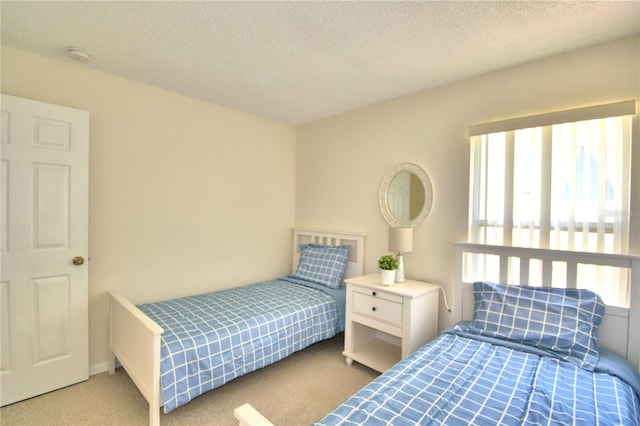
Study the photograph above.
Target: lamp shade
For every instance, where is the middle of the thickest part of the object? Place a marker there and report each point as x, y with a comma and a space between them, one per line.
401, 240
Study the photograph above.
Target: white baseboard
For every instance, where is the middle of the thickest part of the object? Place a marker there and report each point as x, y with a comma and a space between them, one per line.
98, 368
103, 367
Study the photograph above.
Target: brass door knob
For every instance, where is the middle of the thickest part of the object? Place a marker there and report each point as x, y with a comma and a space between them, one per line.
78, 260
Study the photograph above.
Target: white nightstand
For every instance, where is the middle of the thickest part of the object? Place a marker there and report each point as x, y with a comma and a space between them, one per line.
384, 324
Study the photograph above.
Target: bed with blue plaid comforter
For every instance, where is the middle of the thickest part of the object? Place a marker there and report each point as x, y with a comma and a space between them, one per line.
213, 338
461, 378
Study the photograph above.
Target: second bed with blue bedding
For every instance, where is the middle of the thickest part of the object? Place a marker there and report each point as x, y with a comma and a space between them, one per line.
458, 380
529, 357
212, 338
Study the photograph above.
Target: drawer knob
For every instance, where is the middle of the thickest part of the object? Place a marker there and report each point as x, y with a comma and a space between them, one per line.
374, 293
373, 309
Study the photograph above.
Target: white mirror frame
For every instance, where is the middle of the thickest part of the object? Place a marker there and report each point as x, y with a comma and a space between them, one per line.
384, 193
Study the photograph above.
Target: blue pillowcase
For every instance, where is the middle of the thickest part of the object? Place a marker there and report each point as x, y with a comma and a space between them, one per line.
322, 264
564, 321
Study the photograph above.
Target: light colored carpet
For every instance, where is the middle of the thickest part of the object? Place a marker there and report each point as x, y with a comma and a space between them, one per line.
298, 390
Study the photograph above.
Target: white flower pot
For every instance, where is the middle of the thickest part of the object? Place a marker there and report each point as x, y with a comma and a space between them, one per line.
387, 277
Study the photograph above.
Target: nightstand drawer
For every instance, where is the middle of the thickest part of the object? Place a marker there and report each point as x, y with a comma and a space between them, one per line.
378, 307
378, 293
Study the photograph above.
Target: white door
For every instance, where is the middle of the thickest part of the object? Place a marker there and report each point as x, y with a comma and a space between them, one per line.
44, 217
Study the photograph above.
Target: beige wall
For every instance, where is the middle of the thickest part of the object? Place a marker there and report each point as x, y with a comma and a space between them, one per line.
185, 196
180, 188
342, 160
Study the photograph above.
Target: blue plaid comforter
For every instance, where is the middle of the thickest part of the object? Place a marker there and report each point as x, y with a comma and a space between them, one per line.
213, 338
457, 380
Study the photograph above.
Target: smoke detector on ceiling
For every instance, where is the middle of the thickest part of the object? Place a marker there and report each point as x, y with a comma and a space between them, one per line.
78, 54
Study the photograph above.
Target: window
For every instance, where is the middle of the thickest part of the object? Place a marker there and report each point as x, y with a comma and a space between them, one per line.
556, 181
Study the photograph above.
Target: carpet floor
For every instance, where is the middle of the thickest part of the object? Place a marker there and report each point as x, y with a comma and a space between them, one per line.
298, 390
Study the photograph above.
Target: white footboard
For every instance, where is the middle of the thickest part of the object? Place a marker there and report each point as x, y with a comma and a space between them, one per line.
135, 342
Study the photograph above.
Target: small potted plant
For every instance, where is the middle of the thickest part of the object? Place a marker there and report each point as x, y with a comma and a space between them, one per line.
388, 266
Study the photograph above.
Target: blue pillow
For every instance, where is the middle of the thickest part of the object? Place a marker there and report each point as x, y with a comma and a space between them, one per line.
322, 264
563, 321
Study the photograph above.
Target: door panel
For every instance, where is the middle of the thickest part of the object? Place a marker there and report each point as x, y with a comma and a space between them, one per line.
5, 360
44, 296
51, 214
51, 325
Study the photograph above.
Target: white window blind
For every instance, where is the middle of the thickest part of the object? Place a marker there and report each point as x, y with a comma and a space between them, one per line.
555, 181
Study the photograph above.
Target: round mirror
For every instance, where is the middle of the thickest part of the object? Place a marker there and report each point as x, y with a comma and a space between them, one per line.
406, 195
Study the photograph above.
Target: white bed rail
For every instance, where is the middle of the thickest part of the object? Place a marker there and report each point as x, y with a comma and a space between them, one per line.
620, 329
135, 342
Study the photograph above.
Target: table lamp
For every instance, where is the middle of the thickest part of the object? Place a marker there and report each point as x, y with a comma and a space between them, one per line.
400, 241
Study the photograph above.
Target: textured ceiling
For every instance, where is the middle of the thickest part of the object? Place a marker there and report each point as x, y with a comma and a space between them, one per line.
296, 62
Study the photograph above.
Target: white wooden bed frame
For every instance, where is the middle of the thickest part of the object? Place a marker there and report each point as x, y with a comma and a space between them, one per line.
135, 338
620, 328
